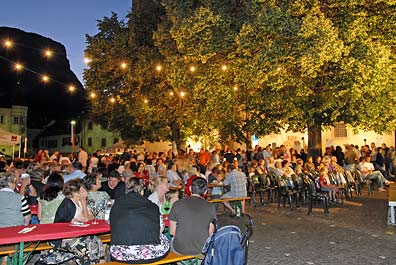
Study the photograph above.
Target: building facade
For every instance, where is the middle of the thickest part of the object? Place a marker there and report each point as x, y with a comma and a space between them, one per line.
87, 134
13, 120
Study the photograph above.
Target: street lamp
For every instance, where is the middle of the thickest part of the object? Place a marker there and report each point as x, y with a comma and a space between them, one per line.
72, 123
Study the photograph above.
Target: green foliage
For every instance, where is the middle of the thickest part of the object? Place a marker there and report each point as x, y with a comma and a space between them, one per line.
287, 65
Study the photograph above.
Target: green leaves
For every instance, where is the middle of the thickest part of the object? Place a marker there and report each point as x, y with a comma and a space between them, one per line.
258, 67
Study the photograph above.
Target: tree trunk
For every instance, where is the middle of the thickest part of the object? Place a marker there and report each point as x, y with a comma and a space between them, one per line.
315, 141
175, 138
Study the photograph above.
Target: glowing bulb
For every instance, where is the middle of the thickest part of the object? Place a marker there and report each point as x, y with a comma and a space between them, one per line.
235, 88
45, 78
193, 68
92, 95
182, 94
112, 100
72, 88
8, 43
224, 67
87, 60
124, 65
146, 101
158, 68
171, 93
18, 66
279, 68
48, 53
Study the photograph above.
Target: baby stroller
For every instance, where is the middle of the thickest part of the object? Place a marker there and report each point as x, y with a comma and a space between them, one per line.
227, 245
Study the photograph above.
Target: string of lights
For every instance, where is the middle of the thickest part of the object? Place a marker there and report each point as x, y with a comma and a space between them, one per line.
18, 66
48, 53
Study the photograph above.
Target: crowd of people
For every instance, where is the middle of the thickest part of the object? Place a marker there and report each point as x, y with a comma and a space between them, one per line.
147, 186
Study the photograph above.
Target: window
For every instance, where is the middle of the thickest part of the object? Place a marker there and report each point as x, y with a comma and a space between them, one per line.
340, 130
21, 120
89, 141
1, 119
52, 144
23, 129
115, 140
16, 120
66, 141
103, 142
90, 125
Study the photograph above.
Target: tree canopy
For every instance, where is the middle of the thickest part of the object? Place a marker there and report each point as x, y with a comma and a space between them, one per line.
244, 67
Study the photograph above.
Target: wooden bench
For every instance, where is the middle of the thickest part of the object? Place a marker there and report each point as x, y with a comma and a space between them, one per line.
392, 202
170, 258
40, 246
229, 199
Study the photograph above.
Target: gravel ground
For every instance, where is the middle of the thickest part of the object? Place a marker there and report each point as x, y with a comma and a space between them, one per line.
355, 232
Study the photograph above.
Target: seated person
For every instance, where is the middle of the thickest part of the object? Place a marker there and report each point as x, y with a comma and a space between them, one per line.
136, 227
324, 185
92, 184
191, 221
16, 209
114, 186
74, 170
175, 180
170, 198
237, 181
50, 198
74, 209
216, 179
160, 187
368, 171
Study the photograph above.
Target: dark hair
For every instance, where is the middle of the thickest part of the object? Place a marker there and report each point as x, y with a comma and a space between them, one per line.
199, 186
18, 164
284, 162
53, 186
134, 184
77, 165
72, 186
90, 180
170, 165
114, 174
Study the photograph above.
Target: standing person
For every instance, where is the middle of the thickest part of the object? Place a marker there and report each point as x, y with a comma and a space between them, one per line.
83, 158
191, 220
113, 186
203, 160
136, 227
93, 163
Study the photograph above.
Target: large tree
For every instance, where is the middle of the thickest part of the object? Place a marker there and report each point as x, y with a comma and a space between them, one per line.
259, 67
321, 62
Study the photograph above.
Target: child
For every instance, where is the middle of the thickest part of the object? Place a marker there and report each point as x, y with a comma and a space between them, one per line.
171, 197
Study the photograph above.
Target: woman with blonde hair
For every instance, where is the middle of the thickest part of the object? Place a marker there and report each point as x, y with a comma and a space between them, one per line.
160, 187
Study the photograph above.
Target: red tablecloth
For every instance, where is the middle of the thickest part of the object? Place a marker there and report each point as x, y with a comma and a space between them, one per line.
43, 232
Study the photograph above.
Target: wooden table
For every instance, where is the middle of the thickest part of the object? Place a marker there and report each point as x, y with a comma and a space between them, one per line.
45, 232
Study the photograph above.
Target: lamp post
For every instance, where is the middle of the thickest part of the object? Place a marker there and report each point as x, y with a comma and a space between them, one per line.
72, 123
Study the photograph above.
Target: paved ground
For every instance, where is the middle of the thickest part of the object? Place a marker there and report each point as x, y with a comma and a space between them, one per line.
355, 232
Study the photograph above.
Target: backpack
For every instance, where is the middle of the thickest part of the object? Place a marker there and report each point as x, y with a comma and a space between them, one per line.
224, 247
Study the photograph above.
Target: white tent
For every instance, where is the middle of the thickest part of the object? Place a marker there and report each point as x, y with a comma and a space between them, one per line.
7, 138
